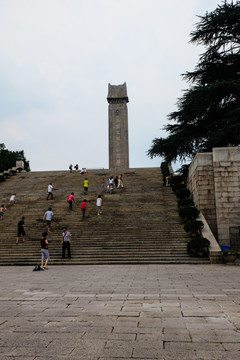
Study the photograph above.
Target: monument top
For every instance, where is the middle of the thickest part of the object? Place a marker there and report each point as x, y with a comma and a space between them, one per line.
117, 92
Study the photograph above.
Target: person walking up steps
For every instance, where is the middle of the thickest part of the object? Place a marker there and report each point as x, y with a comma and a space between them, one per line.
70, 200
12, 199
99, 204
83, 208
50, 189
21, 230
85, 186
2, 209
48, 216
44, 250
66, 242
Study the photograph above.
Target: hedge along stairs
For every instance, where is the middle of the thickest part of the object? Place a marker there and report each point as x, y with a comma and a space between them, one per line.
139, 223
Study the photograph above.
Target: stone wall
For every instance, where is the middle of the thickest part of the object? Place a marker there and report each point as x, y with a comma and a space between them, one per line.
226, 164
214, 180
201, 185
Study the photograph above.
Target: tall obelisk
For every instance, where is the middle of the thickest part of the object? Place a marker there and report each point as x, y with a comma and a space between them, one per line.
118, 127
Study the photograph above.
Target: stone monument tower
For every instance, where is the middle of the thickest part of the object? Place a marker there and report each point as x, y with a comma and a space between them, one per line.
118, 126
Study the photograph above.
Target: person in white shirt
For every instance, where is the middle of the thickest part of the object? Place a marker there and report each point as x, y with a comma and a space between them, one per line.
50, 189
12, 199
48, 216
99, 204
66, 242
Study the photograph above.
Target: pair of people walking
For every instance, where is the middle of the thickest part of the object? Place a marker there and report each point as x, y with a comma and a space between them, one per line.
66, 244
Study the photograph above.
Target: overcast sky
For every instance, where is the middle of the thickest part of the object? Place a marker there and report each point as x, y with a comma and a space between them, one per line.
57, 58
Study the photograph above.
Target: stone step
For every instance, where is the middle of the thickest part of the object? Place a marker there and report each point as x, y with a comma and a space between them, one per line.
140, 223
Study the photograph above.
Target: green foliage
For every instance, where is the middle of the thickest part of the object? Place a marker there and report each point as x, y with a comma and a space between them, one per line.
189, 212
8, 159
198, 246
2, 178
230, 252
177, 183
183, 172
185, 202
209, 111
194, 227
176, 187
183, 193
177, 179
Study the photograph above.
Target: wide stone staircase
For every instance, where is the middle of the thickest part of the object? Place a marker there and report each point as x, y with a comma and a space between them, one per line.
139, 223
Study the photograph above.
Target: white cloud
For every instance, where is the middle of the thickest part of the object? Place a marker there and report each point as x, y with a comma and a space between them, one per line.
57, 58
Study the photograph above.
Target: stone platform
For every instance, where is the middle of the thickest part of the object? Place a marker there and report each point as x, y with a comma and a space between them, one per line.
120, 312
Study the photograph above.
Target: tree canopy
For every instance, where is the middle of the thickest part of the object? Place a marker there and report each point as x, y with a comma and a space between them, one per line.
8, 159
208, 113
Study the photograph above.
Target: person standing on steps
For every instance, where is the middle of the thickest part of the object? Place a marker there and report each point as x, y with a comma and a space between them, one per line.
85, 186
70, 200
116, 181
66, 242
103, 183
50, 189
99, 204
111, 180
2, 209
21, 230
84, 208
111, 188
120, 181
44, 250
48, 216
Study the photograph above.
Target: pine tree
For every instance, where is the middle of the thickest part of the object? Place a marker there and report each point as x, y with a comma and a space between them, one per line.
208, 113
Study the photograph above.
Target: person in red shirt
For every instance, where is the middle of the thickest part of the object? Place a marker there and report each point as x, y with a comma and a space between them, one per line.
83, 208
70, 200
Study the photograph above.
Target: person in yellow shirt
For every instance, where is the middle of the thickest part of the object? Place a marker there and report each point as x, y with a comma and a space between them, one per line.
85, 186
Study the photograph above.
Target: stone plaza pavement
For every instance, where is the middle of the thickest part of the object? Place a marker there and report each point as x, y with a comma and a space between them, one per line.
120, 312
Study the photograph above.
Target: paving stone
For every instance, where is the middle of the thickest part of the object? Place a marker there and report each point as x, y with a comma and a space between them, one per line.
178, 354
217, 355
69, 321
182, 346
18, 358
79, 356
145, 353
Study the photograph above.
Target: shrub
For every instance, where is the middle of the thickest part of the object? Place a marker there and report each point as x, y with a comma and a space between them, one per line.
176, 187
185, 202
189, 212
183, 193
198, 246
183, 171
177, 179
194, 227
